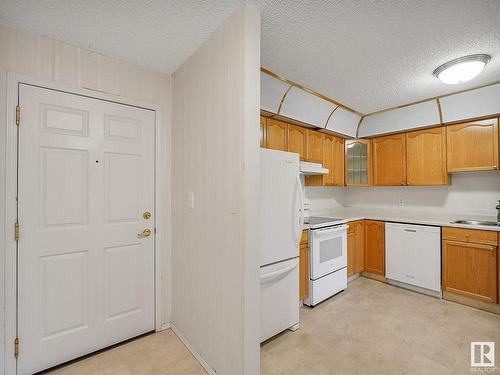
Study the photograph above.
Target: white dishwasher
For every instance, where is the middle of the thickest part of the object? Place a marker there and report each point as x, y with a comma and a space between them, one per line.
413, 256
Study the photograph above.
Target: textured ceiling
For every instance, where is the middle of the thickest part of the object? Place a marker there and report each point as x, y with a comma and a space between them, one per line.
369, 55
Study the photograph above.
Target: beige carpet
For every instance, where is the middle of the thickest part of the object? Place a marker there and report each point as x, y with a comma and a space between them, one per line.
374, 328
159, 353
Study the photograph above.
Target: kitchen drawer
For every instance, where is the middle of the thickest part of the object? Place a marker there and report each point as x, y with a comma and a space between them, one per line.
471, 235
304, 238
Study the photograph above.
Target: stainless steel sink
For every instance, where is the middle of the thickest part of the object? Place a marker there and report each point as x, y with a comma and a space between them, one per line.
477, 222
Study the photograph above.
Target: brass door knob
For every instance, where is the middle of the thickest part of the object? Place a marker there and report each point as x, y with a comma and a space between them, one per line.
146, 215
145, 233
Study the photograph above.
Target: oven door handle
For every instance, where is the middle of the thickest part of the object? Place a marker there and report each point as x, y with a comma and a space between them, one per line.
273, 275
329, 230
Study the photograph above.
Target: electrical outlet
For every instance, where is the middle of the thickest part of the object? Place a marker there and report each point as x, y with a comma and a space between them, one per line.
191, 200
401, 201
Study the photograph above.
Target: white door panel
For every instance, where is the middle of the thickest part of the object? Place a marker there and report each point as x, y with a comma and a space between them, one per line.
86, 279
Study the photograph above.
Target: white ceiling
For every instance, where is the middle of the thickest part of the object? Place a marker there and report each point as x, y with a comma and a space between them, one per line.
369, 55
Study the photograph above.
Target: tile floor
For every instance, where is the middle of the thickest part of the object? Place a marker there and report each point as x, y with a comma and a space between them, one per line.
374, 328
371, 328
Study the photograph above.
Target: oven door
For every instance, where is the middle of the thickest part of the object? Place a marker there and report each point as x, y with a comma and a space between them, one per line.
328, 250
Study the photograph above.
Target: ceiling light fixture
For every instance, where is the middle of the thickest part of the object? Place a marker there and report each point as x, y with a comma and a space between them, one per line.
462, 69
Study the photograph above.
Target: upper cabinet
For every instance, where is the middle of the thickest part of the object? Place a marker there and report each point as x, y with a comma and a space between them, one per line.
333, 160
358, 162
314, 146
472, 146
297, 140
426, 157
263, 131
276, 132
389, 160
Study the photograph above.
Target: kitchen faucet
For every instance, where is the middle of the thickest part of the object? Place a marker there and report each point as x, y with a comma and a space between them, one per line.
498, 212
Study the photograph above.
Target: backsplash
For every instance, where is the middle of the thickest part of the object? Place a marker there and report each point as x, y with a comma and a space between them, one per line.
471, 193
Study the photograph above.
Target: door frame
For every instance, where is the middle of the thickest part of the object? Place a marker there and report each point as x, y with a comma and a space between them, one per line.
8, 315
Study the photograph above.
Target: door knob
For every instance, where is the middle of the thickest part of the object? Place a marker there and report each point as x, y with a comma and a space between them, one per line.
146, 215
145, 233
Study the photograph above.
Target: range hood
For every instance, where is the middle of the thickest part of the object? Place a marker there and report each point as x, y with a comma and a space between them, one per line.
311, 169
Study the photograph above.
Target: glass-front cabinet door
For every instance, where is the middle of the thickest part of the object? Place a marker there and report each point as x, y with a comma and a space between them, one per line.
358, 162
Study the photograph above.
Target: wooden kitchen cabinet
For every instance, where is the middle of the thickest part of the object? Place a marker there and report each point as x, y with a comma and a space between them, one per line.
297, 140
314, 146
389, 160
355, 247
304, 266
262, 131
276, 134
358, 162
375, 247
333, 160
470, 269
426, 157
472, 146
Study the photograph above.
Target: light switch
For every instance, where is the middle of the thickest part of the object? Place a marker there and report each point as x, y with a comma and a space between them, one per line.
191, 200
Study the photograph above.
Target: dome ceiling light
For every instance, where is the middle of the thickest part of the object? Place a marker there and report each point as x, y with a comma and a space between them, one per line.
462, 69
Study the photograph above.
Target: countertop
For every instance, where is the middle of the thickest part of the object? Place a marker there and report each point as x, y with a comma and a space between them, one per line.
407, 216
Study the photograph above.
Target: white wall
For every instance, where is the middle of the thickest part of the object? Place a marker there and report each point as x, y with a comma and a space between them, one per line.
51, 60
470, 193
216, 156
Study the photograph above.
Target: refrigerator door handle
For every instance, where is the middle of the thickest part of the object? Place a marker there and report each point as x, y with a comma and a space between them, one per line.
273, 275
300, 219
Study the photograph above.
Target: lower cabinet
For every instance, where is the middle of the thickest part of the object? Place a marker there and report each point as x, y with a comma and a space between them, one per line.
375, 247
355, 247
470, 269
304, 266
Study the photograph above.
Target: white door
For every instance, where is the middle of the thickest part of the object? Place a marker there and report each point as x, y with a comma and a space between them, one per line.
86, 177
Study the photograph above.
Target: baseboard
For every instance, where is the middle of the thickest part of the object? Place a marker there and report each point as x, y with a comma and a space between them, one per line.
165, 326
353, 277
414, 288
374, 276
472, 302
195, 354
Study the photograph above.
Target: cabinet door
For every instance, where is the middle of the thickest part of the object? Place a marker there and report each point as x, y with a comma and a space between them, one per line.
470, 270
297, 140
359, 250
426, 157
358, 162
276, 134
351, 251
328, 162
375, 247
262, 131
355, 248
314, 146
303, 273
338, 162
472, 146
389, 160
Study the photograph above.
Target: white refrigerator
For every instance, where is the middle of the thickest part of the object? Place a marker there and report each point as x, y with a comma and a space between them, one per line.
281, 222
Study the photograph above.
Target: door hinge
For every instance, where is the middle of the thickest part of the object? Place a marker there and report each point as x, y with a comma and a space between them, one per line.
16, 231
18, 115
16, 347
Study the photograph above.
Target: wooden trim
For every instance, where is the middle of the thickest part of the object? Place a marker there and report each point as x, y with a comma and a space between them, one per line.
330, 115
312, 92
469, 294
430, 99
440, 111
472, 302
283, 98
374, 276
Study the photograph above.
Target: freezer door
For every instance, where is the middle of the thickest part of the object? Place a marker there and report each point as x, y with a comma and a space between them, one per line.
279, 297
280, 206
